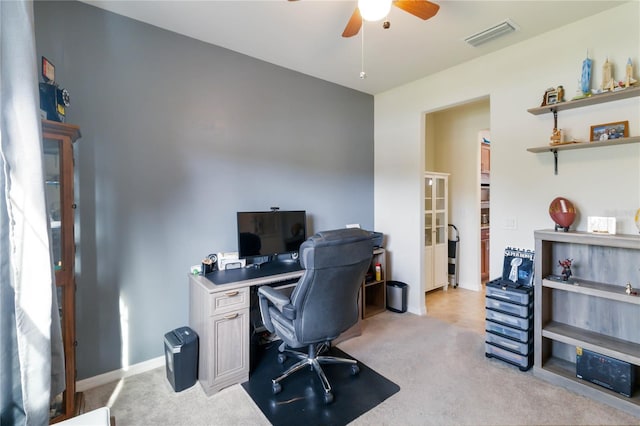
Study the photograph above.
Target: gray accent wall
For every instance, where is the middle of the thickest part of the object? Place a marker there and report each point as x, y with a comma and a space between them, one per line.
177, 136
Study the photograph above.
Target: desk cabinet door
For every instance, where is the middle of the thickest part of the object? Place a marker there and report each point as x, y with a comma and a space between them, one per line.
230, 348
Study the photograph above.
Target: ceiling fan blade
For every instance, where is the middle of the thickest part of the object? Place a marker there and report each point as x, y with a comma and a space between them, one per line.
423, 9
354, 24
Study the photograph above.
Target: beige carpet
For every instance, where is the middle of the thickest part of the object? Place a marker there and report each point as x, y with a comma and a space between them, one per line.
444, 377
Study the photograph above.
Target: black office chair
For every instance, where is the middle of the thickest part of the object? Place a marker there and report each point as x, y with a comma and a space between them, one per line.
323, 304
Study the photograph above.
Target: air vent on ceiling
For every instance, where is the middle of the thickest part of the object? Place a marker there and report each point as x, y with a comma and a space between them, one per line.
503, 28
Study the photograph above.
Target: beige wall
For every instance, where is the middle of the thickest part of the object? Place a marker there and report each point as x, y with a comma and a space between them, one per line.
601, 182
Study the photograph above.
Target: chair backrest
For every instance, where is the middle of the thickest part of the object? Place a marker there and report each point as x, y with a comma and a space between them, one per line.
326, 296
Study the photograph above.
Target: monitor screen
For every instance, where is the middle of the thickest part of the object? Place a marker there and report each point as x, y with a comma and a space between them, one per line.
270, 233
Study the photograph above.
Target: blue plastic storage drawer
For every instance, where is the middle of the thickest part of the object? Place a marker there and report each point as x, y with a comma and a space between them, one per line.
520, 335
508, 307
522, 361
510, 344
496, 290
510, 320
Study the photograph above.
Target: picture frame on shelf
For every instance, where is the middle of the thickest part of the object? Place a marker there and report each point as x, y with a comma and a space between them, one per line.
603, 132
550, 97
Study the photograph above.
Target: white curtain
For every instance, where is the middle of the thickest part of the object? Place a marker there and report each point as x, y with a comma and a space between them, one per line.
28, 310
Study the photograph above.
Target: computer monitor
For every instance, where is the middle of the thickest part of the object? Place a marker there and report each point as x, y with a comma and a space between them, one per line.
267, 234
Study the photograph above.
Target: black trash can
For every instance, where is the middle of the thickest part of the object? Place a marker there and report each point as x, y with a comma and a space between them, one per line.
397, 296
181, 356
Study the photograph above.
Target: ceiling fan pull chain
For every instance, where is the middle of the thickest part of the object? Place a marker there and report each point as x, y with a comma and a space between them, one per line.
363, 74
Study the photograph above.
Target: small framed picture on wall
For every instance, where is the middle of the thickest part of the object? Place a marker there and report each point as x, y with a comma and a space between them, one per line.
603, 132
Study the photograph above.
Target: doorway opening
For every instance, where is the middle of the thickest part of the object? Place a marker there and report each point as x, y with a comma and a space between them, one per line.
451, 147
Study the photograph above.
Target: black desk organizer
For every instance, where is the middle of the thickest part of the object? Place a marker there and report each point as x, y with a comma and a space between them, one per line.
509, 323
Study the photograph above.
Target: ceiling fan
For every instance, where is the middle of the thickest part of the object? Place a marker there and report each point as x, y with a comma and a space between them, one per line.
422, 9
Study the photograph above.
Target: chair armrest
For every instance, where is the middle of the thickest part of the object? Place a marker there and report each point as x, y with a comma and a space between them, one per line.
269, 296
274, 296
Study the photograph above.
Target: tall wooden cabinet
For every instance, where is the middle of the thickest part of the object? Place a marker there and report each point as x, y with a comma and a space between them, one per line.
436, 187
590, 311
58, 139
484, 253
485, 158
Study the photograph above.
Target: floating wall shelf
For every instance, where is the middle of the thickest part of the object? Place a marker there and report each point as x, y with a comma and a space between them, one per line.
592, 100
583, 145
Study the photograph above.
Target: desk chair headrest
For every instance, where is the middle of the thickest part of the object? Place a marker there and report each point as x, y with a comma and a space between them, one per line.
336, 247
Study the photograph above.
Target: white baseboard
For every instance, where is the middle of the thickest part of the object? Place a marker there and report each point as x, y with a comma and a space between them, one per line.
114, 375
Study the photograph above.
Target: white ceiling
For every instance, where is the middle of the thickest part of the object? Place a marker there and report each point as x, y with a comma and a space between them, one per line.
306, 36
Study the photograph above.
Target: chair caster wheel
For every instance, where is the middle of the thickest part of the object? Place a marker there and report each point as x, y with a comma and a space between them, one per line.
281, 358
355, 369
328, 398
276, 388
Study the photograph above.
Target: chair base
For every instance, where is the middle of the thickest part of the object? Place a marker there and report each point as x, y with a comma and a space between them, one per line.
313, 359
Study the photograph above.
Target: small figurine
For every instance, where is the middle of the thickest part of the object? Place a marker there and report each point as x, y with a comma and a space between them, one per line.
556, 137
566, 268
607, 77
560, 91
579, 93
629, 80
628, 289
585, 78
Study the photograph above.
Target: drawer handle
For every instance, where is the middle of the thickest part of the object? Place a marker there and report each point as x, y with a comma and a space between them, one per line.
231, 316
231, 293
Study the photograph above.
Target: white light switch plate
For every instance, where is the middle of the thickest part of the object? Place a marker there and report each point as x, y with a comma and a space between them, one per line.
510, 223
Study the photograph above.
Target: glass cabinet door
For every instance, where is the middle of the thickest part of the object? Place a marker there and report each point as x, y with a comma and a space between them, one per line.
441, 223
53, 187
428, 211
435, 208
57, 147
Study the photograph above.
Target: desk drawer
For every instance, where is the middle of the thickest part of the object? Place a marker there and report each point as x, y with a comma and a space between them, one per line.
230, 300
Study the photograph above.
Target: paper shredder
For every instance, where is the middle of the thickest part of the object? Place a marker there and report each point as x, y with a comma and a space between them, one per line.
396, 296
181, 355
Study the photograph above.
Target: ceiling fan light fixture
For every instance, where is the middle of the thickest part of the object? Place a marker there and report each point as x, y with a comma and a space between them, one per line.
374, 10
503, 28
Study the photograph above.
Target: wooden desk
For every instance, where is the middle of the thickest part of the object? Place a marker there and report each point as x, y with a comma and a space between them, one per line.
219, 314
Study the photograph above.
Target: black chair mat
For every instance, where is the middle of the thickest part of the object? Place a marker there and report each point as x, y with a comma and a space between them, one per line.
302, 398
